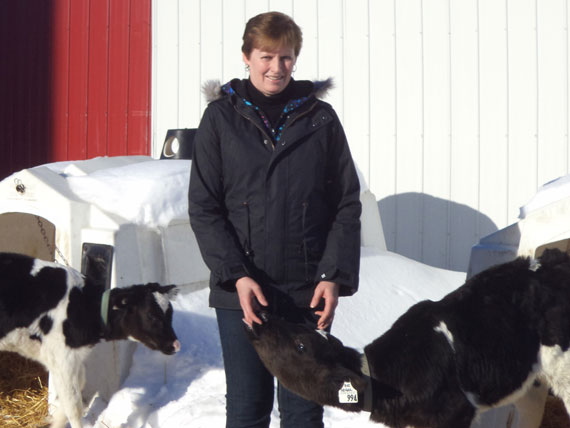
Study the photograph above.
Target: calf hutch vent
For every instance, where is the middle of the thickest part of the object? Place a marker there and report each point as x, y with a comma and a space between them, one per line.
122, 220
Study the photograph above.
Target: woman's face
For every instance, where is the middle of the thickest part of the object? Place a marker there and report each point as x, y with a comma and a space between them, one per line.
270, 71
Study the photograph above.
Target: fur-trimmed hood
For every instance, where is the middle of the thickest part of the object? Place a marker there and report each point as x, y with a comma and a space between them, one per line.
214, 90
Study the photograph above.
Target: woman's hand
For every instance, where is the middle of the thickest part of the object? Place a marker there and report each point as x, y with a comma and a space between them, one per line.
249, 292
329, 291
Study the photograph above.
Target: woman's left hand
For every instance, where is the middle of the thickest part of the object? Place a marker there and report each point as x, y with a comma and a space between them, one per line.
329, 291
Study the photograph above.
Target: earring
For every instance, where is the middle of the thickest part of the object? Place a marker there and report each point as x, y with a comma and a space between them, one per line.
294, 68
246, 67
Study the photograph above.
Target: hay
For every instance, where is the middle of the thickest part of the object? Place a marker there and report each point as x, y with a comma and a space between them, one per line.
23, 392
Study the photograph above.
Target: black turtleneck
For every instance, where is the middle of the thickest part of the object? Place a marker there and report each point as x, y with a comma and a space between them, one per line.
272, 106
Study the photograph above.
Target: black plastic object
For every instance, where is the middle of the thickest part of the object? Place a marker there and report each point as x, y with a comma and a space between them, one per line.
97, 262
178, 144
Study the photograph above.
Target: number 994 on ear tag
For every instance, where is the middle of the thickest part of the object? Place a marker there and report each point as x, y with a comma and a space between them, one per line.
347, 394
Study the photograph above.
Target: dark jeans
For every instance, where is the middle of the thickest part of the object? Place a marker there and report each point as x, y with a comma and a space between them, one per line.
250, 387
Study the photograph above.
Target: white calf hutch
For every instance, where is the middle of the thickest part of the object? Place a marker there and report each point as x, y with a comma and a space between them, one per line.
41, 214
543, 223
123, 219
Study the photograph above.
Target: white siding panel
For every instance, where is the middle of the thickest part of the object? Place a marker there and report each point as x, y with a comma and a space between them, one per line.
356, 82
330, 59
493, 111
211, 36
166, 92
456, 111
552, 92
522, 90
190, 76
464, 169
566, 89
253, 7
409, 129
285, 6
382, 95
305, 15
437, 130
233, 21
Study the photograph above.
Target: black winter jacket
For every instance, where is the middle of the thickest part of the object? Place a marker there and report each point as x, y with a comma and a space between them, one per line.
281, 207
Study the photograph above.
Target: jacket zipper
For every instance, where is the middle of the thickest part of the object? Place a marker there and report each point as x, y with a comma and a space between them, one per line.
287, 125
263, 131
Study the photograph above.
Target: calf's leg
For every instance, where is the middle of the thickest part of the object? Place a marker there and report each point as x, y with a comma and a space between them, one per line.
68, 378
59, 418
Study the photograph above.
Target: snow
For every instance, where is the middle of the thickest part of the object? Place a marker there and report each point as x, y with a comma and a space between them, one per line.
147, 192
188, 389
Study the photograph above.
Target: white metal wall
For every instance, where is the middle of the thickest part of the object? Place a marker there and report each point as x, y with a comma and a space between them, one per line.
456, 110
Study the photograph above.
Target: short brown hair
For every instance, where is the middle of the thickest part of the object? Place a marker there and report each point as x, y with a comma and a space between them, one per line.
271, 30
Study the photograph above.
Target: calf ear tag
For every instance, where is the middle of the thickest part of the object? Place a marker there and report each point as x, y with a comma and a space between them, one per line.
347, 394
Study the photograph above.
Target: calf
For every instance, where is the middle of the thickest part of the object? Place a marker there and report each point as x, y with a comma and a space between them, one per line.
54, 315
441, 363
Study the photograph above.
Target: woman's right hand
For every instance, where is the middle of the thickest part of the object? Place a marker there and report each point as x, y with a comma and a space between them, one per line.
249, 292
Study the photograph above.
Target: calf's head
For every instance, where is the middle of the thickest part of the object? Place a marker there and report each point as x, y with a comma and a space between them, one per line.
144, 313
311, 363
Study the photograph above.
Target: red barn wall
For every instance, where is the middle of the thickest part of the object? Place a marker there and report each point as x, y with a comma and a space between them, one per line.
75, 80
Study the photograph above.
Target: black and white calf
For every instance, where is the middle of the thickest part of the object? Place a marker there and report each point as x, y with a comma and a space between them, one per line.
441, 363
52, 314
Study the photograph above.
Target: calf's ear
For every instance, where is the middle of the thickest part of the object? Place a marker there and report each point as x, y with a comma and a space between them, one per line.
343, 374
171, 291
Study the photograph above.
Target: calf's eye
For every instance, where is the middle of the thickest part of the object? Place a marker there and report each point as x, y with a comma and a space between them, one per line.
300, 348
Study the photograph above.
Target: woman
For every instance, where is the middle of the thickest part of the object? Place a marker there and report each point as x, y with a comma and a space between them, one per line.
274, 204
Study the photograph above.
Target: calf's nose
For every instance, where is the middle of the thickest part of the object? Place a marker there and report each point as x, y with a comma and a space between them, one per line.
176, 346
